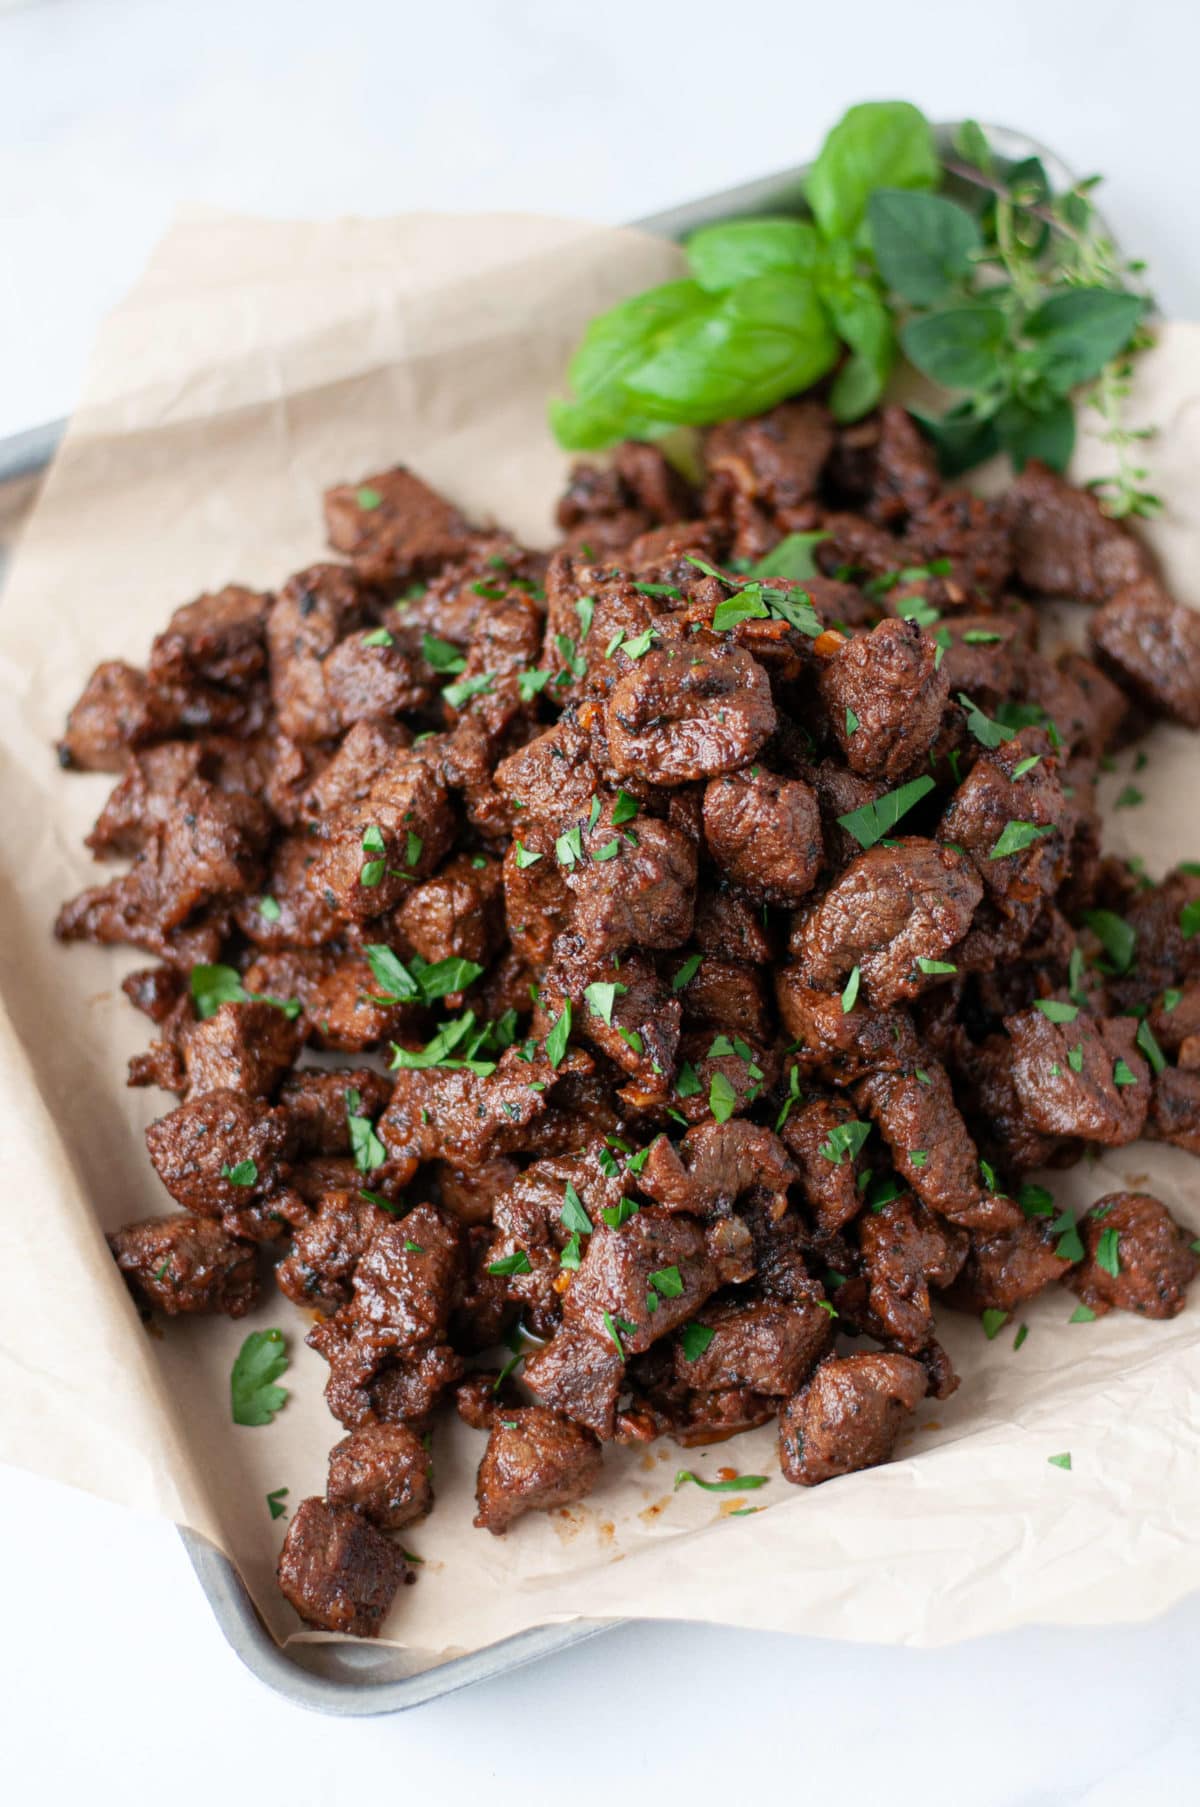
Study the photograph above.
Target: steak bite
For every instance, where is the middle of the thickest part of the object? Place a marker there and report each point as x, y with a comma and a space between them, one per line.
1151, 645
580, 1376
640, 1281
221, 1152
186, 1264
326, 1251
762, 1345
930, 1146
371, 853
406, 1281
817, 1133
1080, 1077
1003, 1269
892, 907
337, 1570
994, 809
217, 639
394, 526
534, 1460
885, 692
848, 1416
382, 1471
641, 896
1137, 1257
765, 833
718, 1165
246, 1048
312, 612
691, 709
1063, 542
906, 1250
116, 712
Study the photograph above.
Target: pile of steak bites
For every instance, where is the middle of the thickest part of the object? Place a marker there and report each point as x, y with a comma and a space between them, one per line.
714, 915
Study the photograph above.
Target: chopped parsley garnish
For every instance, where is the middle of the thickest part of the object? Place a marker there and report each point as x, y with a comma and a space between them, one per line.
368, 1151
993, 1322
616, 1327
932, 967
517, 1263
1023, 768
601, 995
918, 1157
573, 1214
987, 732
845, 1142
687, 972
1062, 1461
738, 1483
243, 1173
1189, 919
1016, 837
1035, 1201
872, 821
624, 809
1130, 797
367, 498
722, 1099
268, 909
1056, 1010
571, 1256
421, 982
1108, 1253
850, 993
688, 1083
694, 1340
568, 848
615, 1215
443, 655
559, 1035
275, 1502
1148, 1044
1069, 1246
254, 1397
462, 692
1123, 1074
851, 721
531, 683
668, 1281
1082, 1314
639, 646
1117, 937
1022, 1333
524, 857
1172, 999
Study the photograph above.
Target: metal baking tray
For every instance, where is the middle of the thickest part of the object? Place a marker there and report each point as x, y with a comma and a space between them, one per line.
356, 1679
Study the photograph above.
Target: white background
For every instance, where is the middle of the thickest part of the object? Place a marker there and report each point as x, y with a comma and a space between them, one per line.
111, 113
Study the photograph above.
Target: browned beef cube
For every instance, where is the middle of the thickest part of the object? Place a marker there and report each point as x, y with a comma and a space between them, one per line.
371, 852
290, 913
405, 1282
116, 711
1085, 705
1082, 1077
155, 780
579, 1375
993, 1106
636, 1024
641, 896
763, 1345
382, 1471
765, 833
1002, 1271
531, 1229
311, 614
612, 1292
973, 534
327, 1249
217, 639
369, 680
458, 912
742, 1073
337, 1570
980, 657
186, 1264
991, 798
775, 459
717, 1164
1151, 645
892, 907
903, 474
476, 1115
244, 1048
535, 1460
692, 709
1063, 542
932, 1152
320, 1102
364, 1390
1175, 1109
346, 1010
1137, 1257
614, 609
720, 994
469, 1193
905, 1250
221, 1152
831, 1189
362, 756
1166, 957
885, 692
844, 1044
848, 1416
730, 927
394, 526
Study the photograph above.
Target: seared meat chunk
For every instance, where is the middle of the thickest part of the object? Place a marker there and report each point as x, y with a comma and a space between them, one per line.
717, 1165
1031, 810
611, 1293
313, 611
763, 1345
535, 1460
455, 914
848, 1416
641, 896
906, 1250
765, 833
244, 1048
320, 1102
1080, 1077
116, 711
933, 1153
815, 1133
691, 709
215, 640
327, 1249
885, 692
382, 1471
579, 1375
1175, 1109
186, 1264
892, 908
774, 459
1137, 1257
394, 526
405, 1282
221, 1152
337, 1570
1152, 647
1063, 542
1004, 1269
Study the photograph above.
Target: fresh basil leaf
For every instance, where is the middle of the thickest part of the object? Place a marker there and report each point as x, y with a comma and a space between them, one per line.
1079, 330
721, 256
922, 242
881, 141
1046, 433
863, 321
957, 347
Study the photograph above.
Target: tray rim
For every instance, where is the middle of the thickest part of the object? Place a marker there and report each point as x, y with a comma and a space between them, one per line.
24, 454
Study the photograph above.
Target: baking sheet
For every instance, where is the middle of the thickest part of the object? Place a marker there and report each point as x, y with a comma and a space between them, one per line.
254, 364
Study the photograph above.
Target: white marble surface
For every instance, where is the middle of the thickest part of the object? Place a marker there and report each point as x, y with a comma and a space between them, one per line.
112, 112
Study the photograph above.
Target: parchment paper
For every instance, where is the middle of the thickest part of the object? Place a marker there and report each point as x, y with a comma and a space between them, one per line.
254, 364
